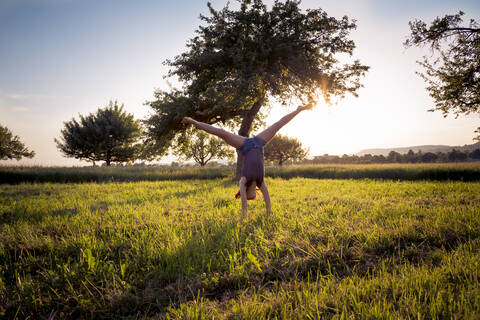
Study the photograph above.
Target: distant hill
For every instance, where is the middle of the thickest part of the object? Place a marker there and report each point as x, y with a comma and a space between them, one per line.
427, 148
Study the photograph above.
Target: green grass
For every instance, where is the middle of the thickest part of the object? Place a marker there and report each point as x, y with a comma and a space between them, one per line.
439, 172
179, 250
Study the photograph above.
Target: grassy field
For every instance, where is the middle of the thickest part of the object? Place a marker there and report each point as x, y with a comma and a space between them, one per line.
179, 250
468, 171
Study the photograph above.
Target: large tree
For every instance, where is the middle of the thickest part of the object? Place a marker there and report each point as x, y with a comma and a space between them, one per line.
240, 60
11, 147
452, 74
283, 148
202, 148
111, 135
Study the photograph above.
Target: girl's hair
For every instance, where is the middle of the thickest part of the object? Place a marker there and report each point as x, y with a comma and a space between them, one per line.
238, 196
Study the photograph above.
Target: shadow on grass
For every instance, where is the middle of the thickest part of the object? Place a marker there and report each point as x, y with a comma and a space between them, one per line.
21, 214
183, 274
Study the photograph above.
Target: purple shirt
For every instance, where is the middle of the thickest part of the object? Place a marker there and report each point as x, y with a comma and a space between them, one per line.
253, 168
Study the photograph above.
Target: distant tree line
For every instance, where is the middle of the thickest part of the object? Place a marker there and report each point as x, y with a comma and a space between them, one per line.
395, 157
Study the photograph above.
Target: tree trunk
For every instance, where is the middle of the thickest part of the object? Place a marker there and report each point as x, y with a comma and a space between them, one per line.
245, 128
109, 157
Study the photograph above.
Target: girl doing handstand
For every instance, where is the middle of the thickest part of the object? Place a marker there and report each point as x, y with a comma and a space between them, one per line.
252, 150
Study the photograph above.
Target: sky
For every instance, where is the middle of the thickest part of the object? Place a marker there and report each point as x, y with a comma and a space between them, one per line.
62, 58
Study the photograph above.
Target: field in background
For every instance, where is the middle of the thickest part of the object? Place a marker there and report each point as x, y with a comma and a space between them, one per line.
178, 249
448, 171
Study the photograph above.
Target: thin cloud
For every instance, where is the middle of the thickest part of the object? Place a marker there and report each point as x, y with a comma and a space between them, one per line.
25, 96
19, 108
15, 96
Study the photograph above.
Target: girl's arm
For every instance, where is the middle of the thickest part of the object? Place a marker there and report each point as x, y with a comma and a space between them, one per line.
267, 134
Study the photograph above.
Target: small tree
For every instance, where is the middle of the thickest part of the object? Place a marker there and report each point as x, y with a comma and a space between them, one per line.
110, 135
203, 147
410, 156
367, 158
379, 159
475, 154
394, 157
282, 148
442, 157
11, 147
429, 157
456, 155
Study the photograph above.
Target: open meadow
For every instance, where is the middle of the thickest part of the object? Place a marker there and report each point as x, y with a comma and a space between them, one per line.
180, 250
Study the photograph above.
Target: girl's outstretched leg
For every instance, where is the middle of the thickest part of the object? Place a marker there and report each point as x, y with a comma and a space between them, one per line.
267, 134
232, 139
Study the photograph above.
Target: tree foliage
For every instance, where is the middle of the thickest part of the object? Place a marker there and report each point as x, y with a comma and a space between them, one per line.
240, 60
283, 148
11, 147
453, 77
456, 155
111, 135
428, 157
203, 147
